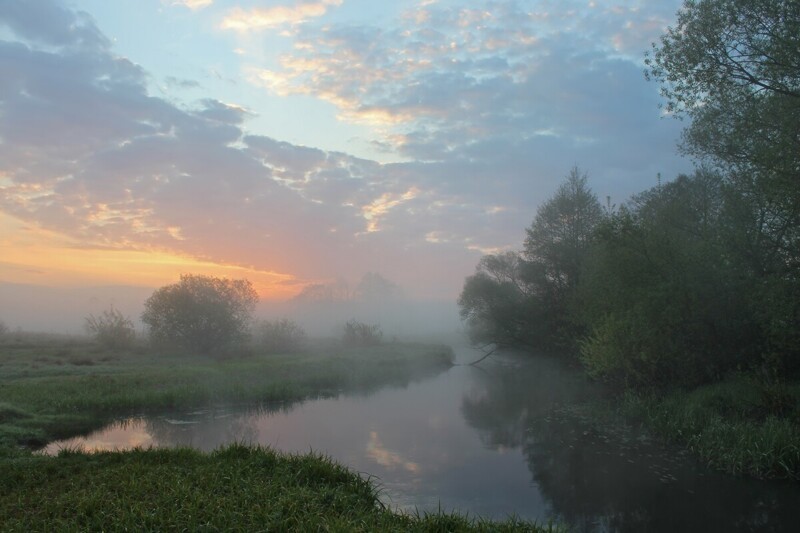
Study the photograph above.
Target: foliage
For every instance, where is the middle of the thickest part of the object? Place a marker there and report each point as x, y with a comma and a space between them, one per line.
3, 329
662, 300
559, 237
733, 67
375, 288
524, 299
493, 300
728, 47
201, 313
371, 288
361, 334
730, 424
111, 329
556, 248
280, 336
336, 292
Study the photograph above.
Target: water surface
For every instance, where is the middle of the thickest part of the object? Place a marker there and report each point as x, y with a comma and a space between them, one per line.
513, 437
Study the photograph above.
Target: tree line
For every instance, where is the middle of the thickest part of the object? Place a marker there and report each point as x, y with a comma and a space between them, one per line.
693, 278
208, 315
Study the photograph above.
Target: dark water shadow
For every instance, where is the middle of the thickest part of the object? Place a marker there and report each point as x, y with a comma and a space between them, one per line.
598, 474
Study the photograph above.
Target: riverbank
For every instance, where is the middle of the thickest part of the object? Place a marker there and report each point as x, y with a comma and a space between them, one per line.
236, 488
739, 425
54, 388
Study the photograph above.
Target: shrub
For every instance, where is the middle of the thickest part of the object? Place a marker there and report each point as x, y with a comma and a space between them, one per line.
201, 313
360, 334
279, 336
111, 329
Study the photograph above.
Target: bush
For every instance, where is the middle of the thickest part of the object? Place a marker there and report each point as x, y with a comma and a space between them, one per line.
111, 329
360, 334
201, 313
279, 336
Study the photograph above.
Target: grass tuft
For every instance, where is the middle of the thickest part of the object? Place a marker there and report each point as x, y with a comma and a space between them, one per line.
234, 488
732, 425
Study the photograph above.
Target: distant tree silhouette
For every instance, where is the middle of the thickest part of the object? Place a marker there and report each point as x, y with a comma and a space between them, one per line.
201, 313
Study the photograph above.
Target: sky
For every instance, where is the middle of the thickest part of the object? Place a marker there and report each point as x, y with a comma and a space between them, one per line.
293, 142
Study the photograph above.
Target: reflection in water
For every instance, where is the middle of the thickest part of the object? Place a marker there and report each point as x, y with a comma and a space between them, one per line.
511, 438
387, 458
604, 478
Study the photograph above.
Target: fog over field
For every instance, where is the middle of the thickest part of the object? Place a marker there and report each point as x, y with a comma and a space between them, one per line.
64, 310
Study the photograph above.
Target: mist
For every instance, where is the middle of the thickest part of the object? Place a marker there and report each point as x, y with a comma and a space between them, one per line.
36, 308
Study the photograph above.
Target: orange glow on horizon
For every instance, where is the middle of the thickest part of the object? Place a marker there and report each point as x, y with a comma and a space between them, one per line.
35, 256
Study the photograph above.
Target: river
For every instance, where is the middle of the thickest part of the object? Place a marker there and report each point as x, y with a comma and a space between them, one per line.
513, 436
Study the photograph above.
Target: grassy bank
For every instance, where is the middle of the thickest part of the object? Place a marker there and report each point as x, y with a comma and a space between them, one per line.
233, 489
51, 389
739, 425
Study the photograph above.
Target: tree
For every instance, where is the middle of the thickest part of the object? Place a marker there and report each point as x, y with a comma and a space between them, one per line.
201, 313
111, 329
662, 298
493, 303
280, 336
361, 334
559, 237
524, 299
375, 288
333, 293
556, 247
733, 68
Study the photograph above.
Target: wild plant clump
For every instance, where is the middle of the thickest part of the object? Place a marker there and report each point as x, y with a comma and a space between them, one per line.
360, 334
279, 336
111, 329
204, 314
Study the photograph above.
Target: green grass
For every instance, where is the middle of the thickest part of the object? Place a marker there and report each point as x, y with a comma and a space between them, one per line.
738, 425
233, 489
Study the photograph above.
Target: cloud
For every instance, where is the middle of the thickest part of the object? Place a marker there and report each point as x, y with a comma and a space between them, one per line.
48, 22
179, 83
194, 5
241, 20
378, 208
488, 106
496, 85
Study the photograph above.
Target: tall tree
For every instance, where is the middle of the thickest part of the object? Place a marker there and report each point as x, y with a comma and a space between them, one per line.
559, 237
556, 246
524, 299
733, 68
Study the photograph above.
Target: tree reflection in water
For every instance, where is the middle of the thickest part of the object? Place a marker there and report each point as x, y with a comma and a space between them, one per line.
603, 476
